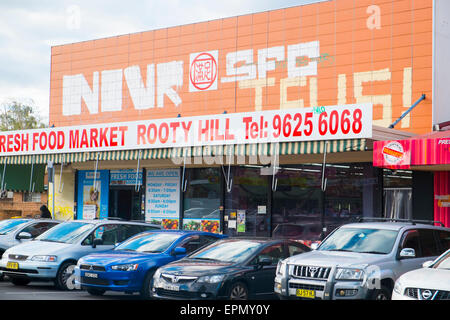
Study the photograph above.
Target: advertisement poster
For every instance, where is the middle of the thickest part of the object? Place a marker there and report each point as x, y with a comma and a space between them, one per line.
207, 225
93, 200
126, 177
64, 190
241, 221
163, 197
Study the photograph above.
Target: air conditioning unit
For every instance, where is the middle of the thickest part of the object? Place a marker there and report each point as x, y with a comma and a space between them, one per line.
6, 194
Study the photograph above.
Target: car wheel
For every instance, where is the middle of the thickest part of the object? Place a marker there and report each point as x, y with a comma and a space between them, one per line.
146, 291
381, 294
20, 281
238, 291
64, 276
96, 292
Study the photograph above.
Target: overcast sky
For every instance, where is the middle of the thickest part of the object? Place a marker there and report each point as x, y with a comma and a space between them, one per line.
29, 28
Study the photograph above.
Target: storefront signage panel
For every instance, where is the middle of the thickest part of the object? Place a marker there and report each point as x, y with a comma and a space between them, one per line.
301, 124
402, 154
163, 197
126, 177
305, 56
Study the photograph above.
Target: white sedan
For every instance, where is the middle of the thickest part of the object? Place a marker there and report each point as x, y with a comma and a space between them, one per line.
432, 282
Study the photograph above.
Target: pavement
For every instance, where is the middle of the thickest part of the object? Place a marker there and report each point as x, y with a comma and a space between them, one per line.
47, 291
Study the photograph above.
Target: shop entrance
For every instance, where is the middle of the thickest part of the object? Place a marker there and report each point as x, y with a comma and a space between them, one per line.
124, 203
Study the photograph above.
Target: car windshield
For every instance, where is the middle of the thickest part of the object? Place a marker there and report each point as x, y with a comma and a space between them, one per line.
374, 241
443, 262
67, 232
234, 251
8, 226
149, 242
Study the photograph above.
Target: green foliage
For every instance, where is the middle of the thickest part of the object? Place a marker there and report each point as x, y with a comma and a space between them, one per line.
18, 116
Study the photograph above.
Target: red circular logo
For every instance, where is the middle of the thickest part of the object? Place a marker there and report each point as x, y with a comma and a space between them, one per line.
203, 71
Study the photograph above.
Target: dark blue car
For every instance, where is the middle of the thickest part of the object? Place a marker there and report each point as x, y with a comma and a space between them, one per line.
130, 266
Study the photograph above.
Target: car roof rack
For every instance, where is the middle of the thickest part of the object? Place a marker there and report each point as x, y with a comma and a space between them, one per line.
412, 221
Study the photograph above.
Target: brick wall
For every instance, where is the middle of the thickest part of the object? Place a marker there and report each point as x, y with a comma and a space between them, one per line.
16, 207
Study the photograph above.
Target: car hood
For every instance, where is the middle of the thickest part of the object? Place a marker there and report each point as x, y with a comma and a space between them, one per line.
198, 268
336, 258
34, 248
426, 278
113, 257
4, 242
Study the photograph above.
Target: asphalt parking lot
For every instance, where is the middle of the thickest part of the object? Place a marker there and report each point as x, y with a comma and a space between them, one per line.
47, 291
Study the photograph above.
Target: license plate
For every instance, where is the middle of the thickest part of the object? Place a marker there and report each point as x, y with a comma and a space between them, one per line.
171, 287
12, 265
302, 293
90, 275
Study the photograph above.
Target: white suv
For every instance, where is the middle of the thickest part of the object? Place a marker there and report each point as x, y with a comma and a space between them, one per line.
432, 282
360, 261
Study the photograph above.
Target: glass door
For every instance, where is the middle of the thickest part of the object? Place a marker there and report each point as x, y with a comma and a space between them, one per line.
247, 205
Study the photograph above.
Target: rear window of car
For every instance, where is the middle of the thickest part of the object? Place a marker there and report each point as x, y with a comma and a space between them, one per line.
428, 243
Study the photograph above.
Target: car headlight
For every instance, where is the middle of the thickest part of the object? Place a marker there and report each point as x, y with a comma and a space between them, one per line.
44, 258
349, 274
398, 288
211, 279
281, 268
125, 267
157, 274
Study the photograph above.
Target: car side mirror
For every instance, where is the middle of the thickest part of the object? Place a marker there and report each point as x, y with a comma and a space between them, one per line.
116, 245
314, 246
97, 242
427, 264
264, 262
178, 251
24, 236
407, 253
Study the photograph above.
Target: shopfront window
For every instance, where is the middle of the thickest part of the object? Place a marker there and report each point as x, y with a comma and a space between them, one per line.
202, 200
247, 204
344, 193
297, 199
397, 194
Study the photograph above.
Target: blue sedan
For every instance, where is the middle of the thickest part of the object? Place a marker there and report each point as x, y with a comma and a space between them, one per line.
130, 266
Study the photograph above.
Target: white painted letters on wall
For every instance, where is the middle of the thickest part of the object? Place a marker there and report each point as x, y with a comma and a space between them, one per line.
76, 88
143, 96
246, 71
169, 75
295, 51
112, 90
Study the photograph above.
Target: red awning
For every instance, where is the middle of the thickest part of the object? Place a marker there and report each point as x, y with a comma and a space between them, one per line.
432, 149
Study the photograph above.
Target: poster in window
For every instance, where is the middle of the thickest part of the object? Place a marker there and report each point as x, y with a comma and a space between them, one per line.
93, 194
240, 221
163, 197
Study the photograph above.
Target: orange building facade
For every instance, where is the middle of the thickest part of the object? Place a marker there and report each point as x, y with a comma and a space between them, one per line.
376, 55
330, 53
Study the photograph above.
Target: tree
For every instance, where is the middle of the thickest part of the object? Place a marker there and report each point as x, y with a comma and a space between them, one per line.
19, 116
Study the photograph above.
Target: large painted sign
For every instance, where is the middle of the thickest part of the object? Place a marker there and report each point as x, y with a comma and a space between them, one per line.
331, 53
303, 124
